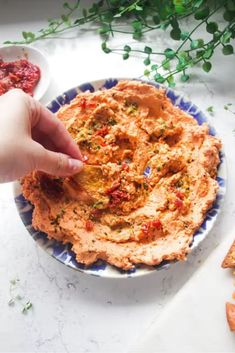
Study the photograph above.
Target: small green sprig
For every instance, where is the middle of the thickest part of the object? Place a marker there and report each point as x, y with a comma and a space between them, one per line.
16, 296
191, 51
210, 110
228, 108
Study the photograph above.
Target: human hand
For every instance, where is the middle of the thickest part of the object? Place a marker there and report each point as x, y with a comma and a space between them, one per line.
32, 138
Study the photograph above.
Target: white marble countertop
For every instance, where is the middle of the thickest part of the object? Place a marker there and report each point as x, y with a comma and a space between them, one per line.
73, 312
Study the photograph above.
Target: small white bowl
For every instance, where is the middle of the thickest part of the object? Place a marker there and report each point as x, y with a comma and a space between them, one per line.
35, 56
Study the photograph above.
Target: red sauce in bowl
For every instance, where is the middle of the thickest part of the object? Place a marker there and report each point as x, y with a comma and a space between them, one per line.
18, 74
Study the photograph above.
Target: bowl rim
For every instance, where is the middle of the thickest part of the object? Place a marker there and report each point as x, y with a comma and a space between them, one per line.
222, 190
40, 53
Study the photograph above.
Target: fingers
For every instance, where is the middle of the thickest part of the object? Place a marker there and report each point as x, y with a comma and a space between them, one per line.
44, 123
54, 163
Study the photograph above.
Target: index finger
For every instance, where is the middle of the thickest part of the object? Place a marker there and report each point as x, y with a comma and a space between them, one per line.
47, 123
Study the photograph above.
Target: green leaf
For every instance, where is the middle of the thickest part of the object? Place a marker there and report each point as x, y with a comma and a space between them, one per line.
94, 9
231, 5
174, 23
137, 25
107, 17
166, 64
147, 61
184, 35
200, 53
202, 13
28, 36
175, 34
216, 36
198, 4
169, 53
125, 56
66, 6
80, 21
225, 38
210, 110
104, 29
148, 50
105, 48
159, 78
146, 72
127, 48
184, 78
156, 19
179, 7
181, 66
194, 44
25, 35
228, 49
171, 81
64, 18
154, 67
208, 53
137, 35
212, 27
7, 42
229, 15
84, 12
138, 8
207, 66
198, 43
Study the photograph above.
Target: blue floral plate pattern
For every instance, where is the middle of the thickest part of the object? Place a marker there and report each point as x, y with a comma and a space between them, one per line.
62, 252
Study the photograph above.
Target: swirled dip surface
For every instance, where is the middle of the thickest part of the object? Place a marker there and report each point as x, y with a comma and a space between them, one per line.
147, 185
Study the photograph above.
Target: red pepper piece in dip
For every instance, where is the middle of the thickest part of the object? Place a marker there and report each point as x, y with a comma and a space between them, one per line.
149, 227
89, 225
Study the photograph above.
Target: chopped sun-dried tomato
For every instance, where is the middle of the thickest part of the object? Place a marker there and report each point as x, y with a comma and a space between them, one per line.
89, 225
82, 103
125, 166
96, 214
149, 227
102, 132
180, 195
118, 196
91, 105
103, 144
178, 203
113, 187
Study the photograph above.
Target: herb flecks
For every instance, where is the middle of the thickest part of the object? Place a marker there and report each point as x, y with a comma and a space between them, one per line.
58, 217
17, 296
98, 205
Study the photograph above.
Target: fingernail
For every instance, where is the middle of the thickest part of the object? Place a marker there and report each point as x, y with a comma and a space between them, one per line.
75, 164
84, 158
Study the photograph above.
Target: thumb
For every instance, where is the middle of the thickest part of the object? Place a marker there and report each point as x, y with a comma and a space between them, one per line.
55, 163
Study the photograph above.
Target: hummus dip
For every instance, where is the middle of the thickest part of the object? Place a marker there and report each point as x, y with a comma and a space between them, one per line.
147, 185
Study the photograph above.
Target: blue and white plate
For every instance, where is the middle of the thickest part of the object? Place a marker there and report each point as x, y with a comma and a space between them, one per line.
63, 252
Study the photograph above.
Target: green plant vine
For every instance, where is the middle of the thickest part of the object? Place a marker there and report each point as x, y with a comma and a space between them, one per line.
138, 17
